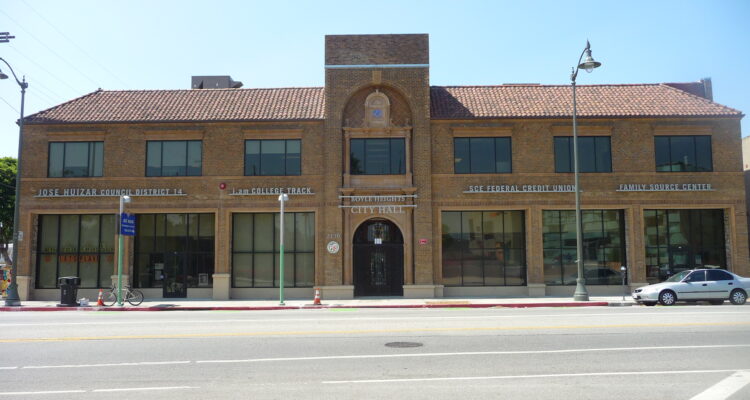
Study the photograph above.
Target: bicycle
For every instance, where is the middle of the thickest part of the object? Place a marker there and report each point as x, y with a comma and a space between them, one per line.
132, 296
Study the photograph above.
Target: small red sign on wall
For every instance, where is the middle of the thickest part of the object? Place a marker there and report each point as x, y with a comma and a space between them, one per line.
422, 241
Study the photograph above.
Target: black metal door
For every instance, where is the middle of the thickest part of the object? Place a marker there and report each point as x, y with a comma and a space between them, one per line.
378, 260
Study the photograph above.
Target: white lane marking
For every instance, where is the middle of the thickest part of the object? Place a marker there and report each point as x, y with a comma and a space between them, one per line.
470, 353
146, 388
44, 392
725, 388
589, 374
322, 320
101, 390
366, 356
128, 364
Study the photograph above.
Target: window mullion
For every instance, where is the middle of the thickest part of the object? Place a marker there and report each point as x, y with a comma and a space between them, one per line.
494, 158
65, 147
78, 247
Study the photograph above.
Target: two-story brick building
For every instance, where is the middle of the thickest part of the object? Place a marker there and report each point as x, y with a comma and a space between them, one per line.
395, 187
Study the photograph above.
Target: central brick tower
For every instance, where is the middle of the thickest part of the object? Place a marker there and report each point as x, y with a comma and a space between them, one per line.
378, 87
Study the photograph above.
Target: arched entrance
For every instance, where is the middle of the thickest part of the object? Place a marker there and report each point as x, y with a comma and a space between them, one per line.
378, 259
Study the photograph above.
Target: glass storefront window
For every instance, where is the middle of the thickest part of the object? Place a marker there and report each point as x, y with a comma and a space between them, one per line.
75, 245
483, 248
678, 240
182, 243
603, 246
255, 249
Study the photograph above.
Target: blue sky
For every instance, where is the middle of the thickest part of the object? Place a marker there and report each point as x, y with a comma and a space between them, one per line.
69, 48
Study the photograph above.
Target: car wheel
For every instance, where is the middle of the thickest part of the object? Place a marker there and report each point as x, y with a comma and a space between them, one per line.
667, 298
738, 297
716, 302
649, 303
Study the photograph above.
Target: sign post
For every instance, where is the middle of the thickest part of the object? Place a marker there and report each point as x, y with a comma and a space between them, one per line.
127, 227
283, 198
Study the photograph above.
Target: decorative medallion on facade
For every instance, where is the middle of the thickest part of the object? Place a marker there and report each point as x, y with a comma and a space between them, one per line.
377, 110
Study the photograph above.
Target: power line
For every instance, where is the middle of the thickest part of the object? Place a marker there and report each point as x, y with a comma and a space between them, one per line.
45, 70
50, 50
38, 89
76, 45
9, 105
43, 97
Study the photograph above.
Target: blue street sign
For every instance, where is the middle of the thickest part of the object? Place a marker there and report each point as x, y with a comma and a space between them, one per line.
127, 224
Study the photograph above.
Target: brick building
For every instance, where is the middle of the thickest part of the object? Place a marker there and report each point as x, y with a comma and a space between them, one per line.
395, 187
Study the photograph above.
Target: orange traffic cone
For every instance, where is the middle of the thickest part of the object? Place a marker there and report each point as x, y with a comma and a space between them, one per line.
316, 300
99, 302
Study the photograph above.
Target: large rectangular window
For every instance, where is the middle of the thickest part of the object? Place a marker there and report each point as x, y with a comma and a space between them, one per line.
75, 159
594, 154
255, 250
603, 246
181, 242
482, 155
677, 240
75, 245
272, 157
483, 248
378, 156
683, 153
174, 158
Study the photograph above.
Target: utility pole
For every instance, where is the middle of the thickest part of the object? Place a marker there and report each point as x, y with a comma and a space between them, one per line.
5, 37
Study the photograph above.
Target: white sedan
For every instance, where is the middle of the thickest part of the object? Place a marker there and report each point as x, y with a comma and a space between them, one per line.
712, 285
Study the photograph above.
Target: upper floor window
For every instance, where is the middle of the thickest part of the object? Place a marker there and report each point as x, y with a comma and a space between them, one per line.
75, 159
174, 158
683, 153
482, 155
594, 154
378, 156
272, 157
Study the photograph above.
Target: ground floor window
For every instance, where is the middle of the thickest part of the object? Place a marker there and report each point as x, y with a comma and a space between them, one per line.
175, 250
255, 249
677, 240
603, 246
75, 245
483, 248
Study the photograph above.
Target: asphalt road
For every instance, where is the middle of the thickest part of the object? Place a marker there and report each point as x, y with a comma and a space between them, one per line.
681, 352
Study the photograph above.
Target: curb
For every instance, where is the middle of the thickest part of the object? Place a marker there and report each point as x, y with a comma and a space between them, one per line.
314, 307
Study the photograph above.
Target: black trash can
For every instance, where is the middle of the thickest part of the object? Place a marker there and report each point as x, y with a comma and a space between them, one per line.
68, 290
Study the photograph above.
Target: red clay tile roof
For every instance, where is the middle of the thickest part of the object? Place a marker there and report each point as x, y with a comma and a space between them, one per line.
188, 105
537, 101
448, 102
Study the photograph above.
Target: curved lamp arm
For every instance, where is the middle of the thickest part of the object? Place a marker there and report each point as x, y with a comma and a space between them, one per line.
574, 72
23, 84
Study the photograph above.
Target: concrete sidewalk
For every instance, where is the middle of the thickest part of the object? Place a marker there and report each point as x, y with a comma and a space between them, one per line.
296, 304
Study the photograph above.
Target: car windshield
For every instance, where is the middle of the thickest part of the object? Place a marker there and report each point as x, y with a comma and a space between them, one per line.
679, 276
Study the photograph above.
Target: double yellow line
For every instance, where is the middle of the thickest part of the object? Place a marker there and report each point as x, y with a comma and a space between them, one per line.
363, 331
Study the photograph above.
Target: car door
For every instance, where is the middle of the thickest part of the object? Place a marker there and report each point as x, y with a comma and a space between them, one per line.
719, 284
692, 287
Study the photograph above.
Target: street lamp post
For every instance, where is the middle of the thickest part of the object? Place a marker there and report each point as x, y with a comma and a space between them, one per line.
581, 294
123, 200
13, 300
283, 198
